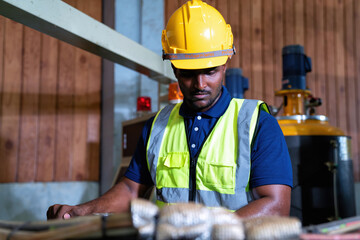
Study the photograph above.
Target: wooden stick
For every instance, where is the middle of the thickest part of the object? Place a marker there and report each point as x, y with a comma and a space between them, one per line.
71, 228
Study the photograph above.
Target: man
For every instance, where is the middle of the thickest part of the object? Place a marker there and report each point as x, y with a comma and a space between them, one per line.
211, 149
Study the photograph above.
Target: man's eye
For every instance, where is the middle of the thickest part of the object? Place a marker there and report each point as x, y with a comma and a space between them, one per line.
186, 74
211, 72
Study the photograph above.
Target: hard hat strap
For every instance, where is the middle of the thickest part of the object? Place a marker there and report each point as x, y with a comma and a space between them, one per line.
187, 56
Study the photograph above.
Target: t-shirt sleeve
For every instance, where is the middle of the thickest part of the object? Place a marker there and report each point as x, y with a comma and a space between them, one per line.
138, 170
270, 160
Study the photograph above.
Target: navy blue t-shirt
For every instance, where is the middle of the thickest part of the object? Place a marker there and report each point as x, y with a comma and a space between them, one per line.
270, 160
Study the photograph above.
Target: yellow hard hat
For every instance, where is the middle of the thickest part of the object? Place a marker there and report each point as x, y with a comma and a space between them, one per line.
197, 37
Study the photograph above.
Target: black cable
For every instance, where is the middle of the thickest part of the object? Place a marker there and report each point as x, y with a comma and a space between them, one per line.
103, 226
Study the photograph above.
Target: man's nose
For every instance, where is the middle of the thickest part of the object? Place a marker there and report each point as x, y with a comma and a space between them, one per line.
200, 82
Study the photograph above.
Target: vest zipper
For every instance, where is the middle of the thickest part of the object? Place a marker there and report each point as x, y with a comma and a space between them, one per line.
192, 179
192, 170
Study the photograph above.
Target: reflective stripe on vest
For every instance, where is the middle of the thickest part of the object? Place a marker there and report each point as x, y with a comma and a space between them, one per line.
223, 165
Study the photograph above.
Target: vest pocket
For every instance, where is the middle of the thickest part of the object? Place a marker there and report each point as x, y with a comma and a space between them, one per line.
173, 171
219, 176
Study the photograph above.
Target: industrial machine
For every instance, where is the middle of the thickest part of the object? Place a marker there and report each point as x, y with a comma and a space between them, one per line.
323, 187
236, 83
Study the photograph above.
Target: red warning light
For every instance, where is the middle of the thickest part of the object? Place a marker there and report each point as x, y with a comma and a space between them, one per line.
143, 104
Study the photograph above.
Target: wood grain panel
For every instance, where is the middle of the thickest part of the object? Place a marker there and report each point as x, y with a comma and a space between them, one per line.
268, 52
94, 103
356, 108
350, 81
256, 49
65, 112
29, 106
80, 168
299, 22
2, 37
181, 2
11, 91
49, 105
330, 61
319, 56
47, 109
212, 2
234, 15
170, 7
278, 35
223, 8
340, 66
245, 42
92, 87
309, 40
289, 22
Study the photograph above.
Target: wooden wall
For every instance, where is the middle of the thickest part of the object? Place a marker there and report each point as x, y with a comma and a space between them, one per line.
329, 30
49, 105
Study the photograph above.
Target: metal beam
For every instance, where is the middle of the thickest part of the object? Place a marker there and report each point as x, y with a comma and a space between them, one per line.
62, 21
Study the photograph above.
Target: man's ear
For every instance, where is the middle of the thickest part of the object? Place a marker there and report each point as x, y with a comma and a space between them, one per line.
226, 65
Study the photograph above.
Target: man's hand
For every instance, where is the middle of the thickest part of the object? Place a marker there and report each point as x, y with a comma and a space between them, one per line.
116, 200
58, 211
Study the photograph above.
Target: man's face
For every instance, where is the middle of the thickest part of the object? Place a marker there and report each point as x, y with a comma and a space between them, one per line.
201, 87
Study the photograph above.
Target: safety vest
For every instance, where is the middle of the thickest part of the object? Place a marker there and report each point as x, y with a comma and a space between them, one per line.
219, 174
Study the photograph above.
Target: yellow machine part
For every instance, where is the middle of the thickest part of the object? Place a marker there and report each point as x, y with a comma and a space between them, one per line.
295, 123
300, 125
295, 101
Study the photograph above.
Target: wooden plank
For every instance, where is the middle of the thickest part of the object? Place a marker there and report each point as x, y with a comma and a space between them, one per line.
79, 161
107, 109
299, 23
29, 106
211, 3
94, 103
181, 2
289, 22
65, 110
47, 109
319, 57
356, 108
278, 21
340, 66
350, 57
2, 37
256, 49
222, 6
80, 168
245, 42
170, 8
309, 42
330, 61
9, 129
65, 113
357, 77
87, 107
268, 51
235, 20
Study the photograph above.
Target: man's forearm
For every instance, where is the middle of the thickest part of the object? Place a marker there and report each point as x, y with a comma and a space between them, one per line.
116, 200
269, 200
262, 206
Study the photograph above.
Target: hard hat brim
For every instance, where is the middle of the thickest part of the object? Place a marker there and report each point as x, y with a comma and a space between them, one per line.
200, 63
